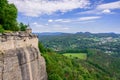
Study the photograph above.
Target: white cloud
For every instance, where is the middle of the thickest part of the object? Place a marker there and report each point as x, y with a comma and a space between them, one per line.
39, 27
112, 5
95, 11
87, 22
89, 18
80, 19
66, 28
36, 8
89, 12
63, 20
106, 11
59, 27
104, 8
35, 24
60, 20
50, 20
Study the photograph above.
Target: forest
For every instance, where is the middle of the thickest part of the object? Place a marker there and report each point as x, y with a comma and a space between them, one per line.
86, 56
81, 42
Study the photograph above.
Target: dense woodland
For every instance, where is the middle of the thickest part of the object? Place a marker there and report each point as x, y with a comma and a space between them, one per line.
81, 42
102, 51
97, 66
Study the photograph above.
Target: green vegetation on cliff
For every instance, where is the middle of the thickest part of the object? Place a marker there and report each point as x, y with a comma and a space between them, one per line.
102, 52
1, 29
8, 18
8, 15
22, 26
60, 67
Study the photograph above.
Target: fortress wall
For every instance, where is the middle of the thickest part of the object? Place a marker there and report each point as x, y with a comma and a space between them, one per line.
17, 41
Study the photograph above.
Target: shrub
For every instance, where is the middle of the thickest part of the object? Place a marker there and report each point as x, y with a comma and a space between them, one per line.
1, 29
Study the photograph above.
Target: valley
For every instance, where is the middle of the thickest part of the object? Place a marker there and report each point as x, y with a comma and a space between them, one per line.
97, 54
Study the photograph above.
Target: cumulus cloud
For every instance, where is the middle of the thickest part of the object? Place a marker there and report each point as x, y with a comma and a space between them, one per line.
36, 8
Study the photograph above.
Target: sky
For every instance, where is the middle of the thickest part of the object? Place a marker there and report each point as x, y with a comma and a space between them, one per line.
70, 16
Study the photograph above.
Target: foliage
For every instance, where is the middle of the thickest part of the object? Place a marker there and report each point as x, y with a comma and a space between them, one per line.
107, 63
60, 67
102, 50
23, 27
8, 15
1, 29
43, 49
8, 31
81, 42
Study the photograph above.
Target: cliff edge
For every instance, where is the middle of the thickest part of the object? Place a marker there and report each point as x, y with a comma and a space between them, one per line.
20, 57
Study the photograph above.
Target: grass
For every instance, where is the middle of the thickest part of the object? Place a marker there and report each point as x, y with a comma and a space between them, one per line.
82, 56
8, 31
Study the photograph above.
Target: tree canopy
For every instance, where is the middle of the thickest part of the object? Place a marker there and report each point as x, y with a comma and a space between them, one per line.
1, 29
22, 27
8, 15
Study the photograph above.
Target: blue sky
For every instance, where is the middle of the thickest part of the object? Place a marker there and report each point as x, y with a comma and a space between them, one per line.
96, 16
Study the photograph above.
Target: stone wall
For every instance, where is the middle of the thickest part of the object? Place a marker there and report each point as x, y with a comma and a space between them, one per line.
20, 58
17, 40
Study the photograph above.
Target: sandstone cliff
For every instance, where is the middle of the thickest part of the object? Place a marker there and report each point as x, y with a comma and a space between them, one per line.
20, 58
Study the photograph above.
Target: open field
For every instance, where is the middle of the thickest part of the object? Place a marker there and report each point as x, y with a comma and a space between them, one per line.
82, 56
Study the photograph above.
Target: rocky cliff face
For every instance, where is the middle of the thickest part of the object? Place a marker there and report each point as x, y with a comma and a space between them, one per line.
20, 58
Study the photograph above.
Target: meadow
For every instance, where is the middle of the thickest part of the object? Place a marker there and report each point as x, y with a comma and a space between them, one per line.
82, 56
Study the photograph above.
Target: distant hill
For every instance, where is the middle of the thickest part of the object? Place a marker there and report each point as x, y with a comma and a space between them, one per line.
49, 33
107, 42
79, 33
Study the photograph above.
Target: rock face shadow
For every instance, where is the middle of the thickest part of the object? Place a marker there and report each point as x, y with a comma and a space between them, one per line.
22, 60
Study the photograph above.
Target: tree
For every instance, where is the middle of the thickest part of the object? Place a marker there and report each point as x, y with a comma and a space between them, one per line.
22, 26
55, 77
1, 29
8, 15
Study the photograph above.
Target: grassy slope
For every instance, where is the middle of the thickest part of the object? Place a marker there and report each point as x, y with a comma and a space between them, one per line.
82, 56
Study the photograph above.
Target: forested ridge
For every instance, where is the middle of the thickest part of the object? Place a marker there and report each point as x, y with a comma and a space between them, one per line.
80, 42
102, 55
97, 66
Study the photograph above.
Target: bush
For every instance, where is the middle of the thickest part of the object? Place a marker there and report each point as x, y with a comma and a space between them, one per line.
55, 77
23, 27
1, 29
